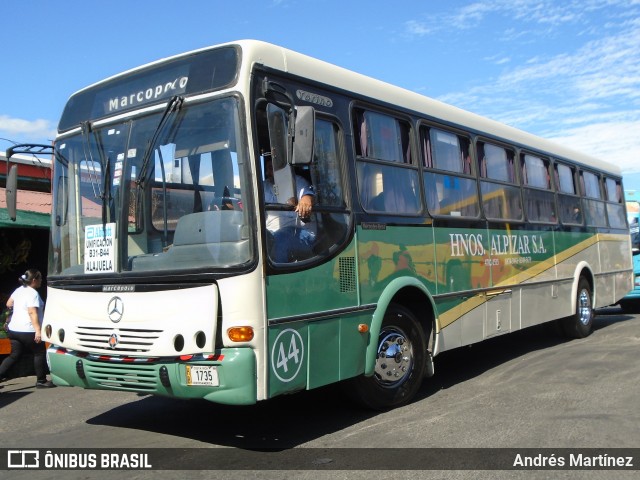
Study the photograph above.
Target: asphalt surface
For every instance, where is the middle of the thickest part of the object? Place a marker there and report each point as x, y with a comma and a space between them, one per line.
530, 389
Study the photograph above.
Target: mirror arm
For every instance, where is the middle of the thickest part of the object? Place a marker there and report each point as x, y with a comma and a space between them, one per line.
277, 94
11, 189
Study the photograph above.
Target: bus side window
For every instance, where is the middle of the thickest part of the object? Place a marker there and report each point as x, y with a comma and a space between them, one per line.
501, 198
569, 203
594, 207
539, 199
452, 192
615, 204
387, 180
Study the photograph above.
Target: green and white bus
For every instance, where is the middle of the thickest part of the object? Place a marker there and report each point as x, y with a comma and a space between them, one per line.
432, 228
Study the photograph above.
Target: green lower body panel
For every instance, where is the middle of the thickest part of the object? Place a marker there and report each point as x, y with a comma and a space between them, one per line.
228, 377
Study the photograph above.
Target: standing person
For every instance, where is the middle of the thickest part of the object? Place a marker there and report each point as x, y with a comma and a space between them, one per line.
25, 327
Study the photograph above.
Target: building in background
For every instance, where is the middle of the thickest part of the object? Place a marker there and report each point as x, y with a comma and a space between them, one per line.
24, 243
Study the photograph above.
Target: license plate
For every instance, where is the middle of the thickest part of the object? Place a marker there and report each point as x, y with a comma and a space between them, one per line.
202, 375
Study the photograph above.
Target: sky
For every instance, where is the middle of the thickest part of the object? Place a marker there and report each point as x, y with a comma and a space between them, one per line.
565, 70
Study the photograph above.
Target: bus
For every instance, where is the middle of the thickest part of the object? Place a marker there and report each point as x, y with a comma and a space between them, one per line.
431, 228
631, 301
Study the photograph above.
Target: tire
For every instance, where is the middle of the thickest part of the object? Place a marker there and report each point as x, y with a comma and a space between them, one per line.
400, 363
580, 324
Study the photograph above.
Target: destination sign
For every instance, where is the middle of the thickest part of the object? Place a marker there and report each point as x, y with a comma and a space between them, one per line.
99, 248
190, 74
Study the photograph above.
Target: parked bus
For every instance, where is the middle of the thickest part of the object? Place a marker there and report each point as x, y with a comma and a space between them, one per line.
431, 228
631, 301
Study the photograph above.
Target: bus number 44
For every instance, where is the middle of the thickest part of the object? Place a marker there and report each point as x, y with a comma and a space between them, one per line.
292, 354
287, 355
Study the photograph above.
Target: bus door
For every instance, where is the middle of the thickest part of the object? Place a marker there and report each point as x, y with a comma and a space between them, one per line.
310, 275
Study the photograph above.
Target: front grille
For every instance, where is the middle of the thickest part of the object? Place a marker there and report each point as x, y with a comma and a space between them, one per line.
129, 340
120, 376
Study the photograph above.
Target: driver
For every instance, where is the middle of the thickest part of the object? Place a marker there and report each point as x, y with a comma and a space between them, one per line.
291, 231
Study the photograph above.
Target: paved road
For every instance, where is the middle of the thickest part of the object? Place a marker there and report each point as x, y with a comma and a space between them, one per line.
529, 389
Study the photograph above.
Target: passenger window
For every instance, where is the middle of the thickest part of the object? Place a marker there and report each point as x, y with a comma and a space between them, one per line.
565, 176
389, 189
387, 181
382, 137
501, 198
447, 151
496, 163
535, 172
450, 189
539, 200
615, 208
594, 207
614, 190
591, 185
569, 203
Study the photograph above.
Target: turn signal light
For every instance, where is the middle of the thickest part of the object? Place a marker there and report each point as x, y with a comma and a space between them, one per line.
240, 334
363, 328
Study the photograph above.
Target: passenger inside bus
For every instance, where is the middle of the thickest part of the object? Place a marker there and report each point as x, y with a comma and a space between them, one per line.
293, 233
577, 215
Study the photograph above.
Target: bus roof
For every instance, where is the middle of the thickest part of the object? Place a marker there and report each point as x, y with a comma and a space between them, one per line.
279, 58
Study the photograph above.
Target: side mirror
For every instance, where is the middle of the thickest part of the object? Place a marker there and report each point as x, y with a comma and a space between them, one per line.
11, 190
283, 178
277, 120
303, 142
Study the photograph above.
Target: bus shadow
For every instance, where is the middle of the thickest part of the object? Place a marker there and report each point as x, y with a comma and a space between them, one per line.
280, 423
462, 364
291, 420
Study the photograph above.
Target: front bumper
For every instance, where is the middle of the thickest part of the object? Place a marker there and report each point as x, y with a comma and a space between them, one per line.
166, 376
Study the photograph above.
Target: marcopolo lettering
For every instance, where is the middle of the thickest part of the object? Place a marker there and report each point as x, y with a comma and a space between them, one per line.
140, 97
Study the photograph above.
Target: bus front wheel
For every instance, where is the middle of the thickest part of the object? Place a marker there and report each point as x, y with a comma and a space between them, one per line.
580, 324
400, 363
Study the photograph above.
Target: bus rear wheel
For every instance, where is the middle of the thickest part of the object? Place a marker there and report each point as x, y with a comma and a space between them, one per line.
400, 363
580, 324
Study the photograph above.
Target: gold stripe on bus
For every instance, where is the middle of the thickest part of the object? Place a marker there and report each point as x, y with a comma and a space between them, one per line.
552, 261
453, 314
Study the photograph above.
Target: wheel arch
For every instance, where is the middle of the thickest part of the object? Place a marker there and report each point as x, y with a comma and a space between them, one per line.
583, 270
410, 293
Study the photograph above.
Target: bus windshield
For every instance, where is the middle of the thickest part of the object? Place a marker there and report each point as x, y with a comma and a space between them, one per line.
125, 205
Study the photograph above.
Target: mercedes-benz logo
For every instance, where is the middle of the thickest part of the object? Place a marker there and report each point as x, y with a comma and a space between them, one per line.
115, 309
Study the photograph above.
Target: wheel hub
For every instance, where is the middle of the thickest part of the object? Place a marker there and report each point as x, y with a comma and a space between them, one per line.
584, 307
395, 358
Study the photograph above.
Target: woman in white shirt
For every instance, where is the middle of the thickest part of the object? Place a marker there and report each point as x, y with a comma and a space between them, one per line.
25, 327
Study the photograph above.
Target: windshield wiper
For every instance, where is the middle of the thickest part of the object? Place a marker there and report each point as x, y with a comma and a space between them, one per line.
104, 189
86, 145
174, 106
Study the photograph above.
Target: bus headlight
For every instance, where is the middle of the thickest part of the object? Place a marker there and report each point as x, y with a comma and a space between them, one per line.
240, 334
